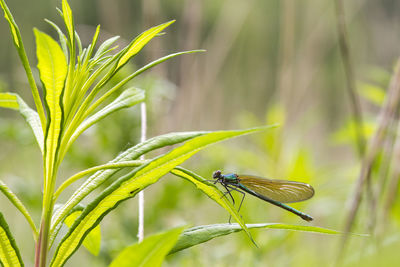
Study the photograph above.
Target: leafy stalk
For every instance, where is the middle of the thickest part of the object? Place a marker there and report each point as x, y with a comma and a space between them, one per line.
19, 45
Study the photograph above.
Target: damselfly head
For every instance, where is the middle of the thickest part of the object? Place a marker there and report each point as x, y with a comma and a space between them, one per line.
217, 174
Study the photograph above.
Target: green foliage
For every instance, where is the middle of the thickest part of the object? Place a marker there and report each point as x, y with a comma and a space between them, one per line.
78, 92
204, 233
92, 240
129, 185
14, 101
9, 253
150, 252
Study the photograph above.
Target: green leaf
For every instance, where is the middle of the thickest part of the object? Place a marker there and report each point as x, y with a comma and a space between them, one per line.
128, 98
141, 41
92, 45
104, 47
14, 101
68, 19
100, 177
149, 253
25, 62
204, 233
79, 175
133, 75
9, 100
61, 36
9, 252
18, 204
53, 70
211, 191
93, 239
11, 23
129, 185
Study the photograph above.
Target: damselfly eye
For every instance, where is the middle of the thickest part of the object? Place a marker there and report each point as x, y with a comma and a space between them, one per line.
217, 174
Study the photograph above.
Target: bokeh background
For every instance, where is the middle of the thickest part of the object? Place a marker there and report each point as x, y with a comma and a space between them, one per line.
275, 61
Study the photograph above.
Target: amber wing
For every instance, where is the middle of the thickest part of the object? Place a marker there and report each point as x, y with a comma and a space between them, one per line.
279, 190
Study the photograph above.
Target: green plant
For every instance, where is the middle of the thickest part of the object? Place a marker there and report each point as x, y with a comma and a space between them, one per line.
76, 90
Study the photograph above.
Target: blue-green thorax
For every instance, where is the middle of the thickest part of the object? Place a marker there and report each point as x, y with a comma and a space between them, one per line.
231, 178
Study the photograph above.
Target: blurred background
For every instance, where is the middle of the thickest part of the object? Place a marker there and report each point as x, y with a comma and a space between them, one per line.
275, 61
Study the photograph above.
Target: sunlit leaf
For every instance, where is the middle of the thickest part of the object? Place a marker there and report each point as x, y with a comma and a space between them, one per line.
128, 98
211, 191
129, 185
133, 75
93, 239
8, 100
105, 47
61, 36
14, 101
9, 252
204, 233
150, 252
95, 180
68, 19
141, 41
11, 23
53, 70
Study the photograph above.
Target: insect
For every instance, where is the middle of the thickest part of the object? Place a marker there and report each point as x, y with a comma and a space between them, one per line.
275, 192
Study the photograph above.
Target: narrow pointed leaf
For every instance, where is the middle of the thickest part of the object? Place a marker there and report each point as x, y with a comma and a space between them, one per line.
25, 62
104, 47
204, 233
129, 185
9, 252
18, 204
95, 180
11, 23
210, 190
53, 70
141, 41
133, 75
61, 36
150, 252
93, 239
128, 98
9, 100
68, 19
92, 45
14, 101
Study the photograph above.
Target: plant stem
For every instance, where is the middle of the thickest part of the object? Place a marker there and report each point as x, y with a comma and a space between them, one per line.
141, 193
387, 112
43, 241
348, 67
47, 210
